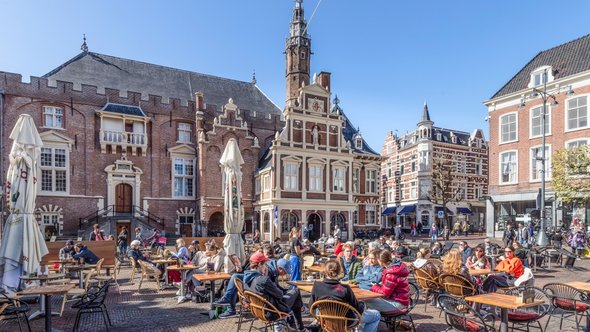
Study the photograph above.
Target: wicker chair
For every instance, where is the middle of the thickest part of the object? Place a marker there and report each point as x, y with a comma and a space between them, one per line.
148, 271
457, 285
460, 316
244, 305
526, 316
571, 301
308, 261
134, 268
113, 277
390, 318
75, 293
264, 311
333, 316
428, 283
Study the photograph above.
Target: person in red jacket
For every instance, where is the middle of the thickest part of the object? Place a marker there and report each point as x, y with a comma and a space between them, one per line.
394, 285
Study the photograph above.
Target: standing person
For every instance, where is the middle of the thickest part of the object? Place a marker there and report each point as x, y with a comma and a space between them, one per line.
394, 285
122, 240
331, 288
557, 239
256, 237
419, 227
577, 240
154, 238
522, 236
457, 228
509, 235
434, 232
465, 227
296, 249
398, 232
139, 236
413, 229
337, 232
97, 234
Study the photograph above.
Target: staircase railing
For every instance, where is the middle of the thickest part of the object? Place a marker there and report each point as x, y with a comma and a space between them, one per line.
138, 212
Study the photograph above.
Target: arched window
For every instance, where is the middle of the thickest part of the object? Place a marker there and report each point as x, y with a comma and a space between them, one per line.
288, 221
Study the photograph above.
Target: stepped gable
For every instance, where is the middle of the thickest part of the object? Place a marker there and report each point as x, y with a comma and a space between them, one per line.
105, 71
566, 59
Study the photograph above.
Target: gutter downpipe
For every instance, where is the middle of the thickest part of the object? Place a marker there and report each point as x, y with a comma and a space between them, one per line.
2, 154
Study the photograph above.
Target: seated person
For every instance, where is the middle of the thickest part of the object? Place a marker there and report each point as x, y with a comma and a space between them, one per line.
393, 285
520, 252
68, 251
478, 261
83, 255
323, 238
331, 288
181, 251
309, 249
370, 273
512, 268
422, 262
257, 280
350, 264
193, 248
212, 259
453, 264
134, 252
436, 250
383, 244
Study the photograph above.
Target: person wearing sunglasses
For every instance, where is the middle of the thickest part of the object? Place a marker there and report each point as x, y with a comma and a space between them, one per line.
478, 261
512, 268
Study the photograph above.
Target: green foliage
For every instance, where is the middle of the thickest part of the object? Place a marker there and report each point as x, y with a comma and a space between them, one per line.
570, 174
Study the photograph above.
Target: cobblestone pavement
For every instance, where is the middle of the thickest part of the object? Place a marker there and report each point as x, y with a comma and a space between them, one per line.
150, 310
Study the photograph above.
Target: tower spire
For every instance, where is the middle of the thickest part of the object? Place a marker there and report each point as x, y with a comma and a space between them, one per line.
297, 51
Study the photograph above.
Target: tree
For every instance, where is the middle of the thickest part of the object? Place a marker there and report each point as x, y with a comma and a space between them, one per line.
445, 187
570, 174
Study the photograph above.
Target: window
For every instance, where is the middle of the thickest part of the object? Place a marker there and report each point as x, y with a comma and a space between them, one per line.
53, 117
370, 215
460, 165
185, 219
257, 186
477, 192
183, 175
577, 113
356, 180
508, 167
537, 119
291, 177
540, 78
371, 182
358, 143
288, 221
338, 178
355, 217
266, 223
537, 163
576, 143
265, 182
423, 160
413, 190
508, 128
49, 219
54, 170
315, 178
413, 166
184, 132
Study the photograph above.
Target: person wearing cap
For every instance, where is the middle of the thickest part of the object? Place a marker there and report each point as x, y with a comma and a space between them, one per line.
331, 288
257, 280
67, 252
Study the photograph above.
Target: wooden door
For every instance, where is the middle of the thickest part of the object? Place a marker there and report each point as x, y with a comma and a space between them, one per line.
123, 198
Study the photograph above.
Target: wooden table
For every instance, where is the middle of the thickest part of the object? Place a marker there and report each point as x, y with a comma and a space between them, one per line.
481, 272
360, 294
46, 292
80, 268
165, 262
183, 270
504, 302
584, 287
211, 277
42, 280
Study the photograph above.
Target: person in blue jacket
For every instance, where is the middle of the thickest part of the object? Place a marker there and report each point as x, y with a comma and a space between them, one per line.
370, 274
84, 255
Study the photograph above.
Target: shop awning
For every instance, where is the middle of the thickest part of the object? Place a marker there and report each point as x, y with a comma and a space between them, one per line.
439, 208
389, 211
407, 209
461, 210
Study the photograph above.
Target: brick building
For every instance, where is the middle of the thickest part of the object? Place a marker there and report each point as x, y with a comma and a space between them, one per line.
129, 143
407, 175
562, 74
318, 171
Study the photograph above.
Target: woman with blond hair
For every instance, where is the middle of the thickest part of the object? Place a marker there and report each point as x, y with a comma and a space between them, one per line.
296, 250
331, 288
453, 264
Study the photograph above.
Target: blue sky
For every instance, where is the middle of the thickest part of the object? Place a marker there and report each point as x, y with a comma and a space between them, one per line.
386, 56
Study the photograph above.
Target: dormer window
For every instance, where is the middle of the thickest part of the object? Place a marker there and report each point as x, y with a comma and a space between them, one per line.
438, 136
358, 142
540, 76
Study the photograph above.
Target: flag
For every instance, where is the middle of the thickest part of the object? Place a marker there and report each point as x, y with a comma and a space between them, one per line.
276, 216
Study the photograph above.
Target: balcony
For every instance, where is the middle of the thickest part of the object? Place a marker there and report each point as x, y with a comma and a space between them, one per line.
136, 142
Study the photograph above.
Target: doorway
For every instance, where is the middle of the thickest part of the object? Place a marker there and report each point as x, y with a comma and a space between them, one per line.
314, 222
123, 198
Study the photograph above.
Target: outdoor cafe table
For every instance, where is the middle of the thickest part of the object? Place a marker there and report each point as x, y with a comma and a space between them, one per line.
46, 291
360, 294
584, 287
80, 268
481, 272
504, 302
165, 262
211, 277
183, 271
42, 280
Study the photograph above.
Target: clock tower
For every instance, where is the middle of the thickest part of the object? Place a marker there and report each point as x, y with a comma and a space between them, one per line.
297, 51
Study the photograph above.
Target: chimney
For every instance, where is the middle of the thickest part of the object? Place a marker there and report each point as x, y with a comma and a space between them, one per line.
324, 80
199, 104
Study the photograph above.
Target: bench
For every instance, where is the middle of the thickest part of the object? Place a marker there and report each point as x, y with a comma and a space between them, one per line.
102, 249
203, 240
